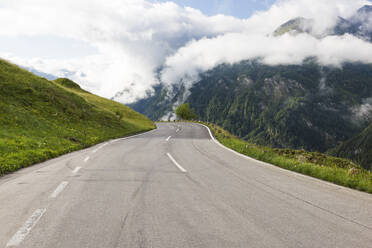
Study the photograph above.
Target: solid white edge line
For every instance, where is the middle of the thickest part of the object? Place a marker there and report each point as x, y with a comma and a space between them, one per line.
21, 234
100, 147
176, 164
76, 170
59, 189
168, 138
277, 167
86, 159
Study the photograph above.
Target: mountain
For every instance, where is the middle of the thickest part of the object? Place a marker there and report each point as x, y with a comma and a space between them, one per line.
295, 26
358, 148
360, 25
40, 73
299, 106
306, 106
160, 105
41, 119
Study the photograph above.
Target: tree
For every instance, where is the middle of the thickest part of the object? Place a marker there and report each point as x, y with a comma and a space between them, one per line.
184, 112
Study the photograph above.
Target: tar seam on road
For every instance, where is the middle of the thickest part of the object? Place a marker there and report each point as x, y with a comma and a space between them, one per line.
59, 189
176, 164
168, 138
21, 234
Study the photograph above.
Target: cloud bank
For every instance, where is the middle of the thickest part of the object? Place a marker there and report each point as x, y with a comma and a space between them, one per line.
203, 55
137, 39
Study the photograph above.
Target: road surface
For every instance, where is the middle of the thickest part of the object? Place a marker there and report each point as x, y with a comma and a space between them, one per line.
175, 187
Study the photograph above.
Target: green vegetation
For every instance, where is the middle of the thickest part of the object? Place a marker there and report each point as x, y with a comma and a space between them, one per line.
41, 119
336, 170
184, 112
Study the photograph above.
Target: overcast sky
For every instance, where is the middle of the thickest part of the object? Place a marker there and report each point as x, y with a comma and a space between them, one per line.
113, 45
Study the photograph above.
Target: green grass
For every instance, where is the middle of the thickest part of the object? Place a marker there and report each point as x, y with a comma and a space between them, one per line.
318, 165
41, 119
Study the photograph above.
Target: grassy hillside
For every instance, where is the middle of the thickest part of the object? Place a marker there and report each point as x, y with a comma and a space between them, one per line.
41, 119
336, 170
359, 148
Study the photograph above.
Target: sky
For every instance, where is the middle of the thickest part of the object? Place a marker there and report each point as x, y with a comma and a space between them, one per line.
47, 46
237, 8
109, 46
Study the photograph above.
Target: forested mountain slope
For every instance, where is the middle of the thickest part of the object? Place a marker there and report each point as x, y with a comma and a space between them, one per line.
305, 106
358, 148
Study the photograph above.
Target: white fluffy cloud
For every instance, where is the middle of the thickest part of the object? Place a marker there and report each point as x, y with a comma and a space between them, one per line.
135, 38
204, 54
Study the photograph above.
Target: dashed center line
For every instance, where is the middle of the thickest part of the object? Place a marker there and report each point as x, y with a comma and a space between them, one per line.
168, 138
76, 170
21, 234
176, 164
59, 189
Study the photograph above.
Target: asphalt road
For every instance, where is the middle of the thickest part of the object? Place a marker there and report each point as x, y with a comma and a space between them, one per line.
175, 187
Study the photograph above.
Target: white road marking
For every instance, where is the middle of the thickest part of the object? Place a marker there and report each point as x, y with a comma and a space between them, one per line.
59, 189
21, 234
86, 159
76, 170
176, 164
100, 147
168, 138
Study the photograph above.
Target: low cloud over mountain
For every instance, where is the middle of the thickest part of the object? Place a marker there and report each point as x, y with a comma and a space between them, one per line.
144, 42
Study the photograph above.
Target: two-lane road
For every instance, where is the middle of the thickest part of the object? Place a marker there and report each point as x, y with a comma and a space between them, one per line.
175, 187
